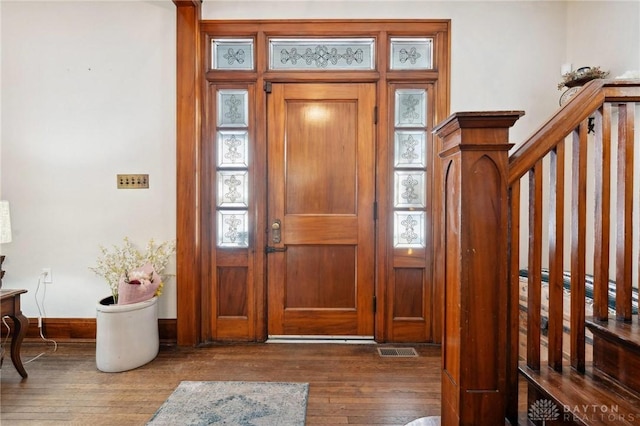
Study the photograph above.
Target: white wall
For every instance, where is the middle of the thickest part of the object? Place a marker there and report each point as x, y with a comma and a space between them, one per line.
614, 46
88, 91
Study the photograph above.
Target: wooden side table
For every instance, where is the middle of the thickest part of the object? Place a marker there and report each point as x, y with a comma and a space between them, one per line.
10, 307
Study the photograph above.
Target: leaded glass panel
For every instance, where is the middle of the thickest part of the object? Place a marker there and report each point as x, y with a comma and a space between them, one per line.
409, 151
232, 149
410, 108
233, 228
322, 54
233, 189
408, 229
233, 108
409, 189
411, 53
232, 54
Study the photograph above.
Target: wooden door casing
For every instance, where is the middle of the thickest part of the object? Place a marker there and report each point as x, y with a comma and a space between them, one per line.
222, 293
321, 187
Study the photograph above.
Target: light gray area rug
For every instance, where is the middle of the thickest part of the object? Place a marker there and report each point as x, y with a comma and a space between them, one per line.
425, 421
234, 404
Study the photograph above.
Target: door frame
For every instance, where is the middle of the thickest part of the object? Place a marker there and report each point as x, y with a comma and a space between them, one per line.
197, 260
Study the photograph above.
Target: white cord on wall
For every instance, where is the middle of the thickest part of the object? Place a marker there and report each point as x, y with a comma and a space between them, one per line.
41, 314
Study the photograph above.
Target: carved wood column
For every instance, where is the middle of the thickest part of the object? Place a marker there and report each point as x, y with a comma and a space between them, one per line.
188, 326
474, 274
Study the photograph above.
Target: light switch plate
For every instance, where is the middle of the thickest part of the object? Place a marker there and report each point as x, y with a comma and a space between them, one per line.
136, 181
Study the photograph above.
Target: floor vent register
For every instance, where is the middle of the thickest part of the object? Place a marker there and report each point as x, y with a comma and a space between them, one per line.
397, 352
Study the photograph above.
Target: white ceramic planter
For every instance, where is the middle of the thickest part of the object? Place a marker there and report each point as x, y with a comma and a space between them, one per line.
126, 335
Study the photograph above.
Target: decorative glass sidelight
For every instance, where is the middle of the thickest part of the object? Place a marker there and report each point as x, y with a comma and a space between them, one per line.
233, 108
322, 54
408, 229
409, 149
410, 168
233, 189
232, 54
232, 168
411, 108
409, 189
411, 53
232, 149
233, 228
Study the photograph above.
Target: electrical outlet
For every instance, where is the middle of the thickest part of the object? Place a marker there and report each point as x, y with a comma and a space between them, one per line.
48, 278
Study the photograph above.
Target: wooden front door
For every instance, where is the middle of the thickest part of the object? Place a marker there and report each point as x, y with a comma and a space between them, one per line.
321, 194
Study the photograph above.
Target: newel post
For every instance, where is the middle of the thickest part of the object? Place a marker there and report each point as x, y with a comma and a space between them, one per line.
473, 269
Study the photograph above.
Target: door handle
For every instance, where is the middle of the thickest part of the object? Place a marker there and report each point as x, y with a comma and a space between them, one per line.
275, 231
275, 237
270, 249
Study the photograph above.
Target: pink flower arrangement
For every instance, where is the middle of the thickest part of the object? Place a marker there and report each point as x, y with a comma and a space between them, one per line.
139, 284
134, 276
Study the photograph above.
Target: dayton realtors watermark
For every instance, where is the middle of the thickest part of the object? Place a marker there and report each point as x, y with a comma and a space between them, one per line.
545, 410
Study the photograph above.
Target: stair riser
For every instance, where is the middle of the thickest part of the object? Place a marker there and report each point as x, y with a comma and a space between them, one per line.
535, 417
617, 361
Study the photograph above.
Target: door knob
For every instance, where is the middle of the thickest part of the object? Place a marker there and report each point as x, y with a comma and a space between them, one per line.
275, 231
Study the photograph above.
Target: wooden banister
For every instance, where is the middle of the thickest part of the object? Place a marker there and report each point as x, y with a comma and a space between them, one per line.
602, 208
624, 245
556, 256
578, 244
583, 104
535, 266
513, 327
481, 214
579, 107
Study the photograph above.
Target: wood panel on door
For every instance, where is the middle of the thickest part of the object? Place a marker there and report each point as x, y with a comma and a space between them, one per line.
321, 189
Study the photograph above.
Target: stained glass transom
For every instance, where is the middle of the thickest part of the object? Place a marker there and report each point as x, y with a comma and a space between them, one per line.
322, 54
232, 54
411, 53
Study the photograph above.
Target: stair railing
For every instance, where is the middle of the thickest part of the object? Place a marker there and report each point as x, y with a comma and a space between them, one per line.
573, 154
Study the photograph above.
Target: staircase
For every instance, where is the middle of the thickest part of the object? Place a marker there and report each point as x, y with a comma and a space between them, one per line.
598, 129
607, 392
570, 192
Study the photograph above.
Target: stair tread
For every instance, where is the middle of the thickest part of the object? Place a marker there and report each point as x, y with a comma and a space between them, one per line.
589, 398
626, 333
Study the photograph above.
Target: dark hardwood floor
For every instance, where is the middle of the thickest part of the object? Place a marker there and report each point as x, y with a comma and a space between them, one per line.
349, 384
